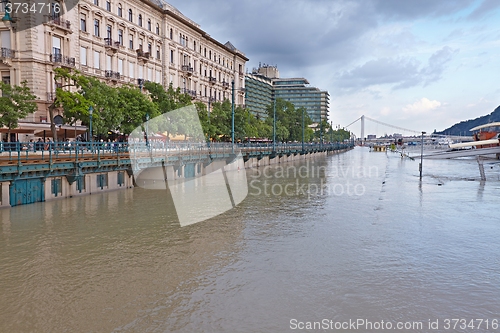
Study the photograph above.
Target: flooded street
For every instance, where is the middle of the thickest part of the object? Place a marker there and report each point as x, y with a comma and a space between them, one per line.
347, 237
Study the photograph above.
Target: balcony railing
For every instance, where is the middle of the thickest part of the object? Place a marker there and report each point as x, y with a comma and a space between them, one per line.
212, 79
7, 53
63, 60
142, 54
112, 75
108, 42
51, 96
225, 84
57, 20
191, 93
188, 69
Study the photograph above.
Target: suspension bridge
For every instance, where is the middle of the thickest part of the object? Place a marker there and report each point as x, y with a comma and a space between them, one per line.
412, 133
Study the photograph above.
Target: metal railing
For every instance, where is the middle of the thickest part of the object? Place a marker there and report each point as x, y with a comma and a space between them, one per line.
33, 152
57, 20
7, 53
112, 75
64, 60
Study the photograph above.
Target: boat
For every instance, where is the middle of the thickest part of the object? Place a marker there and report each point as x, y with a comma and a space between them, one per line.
483, 139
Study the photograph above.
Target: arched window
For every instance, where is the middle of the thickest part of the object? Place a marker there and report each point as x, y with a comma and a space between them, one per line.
139, 21
120, 9
130, 15
149, 24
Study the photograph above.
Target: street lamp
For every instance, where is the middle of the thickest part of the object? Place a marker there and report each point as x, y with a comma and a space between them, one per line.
147, 120
91, 110
274, 125
232, 117
7, 12
303, 131
421, 154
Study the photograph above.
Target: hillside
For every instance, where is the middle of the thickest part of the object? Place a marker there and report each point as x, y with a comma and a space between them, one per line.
465, 126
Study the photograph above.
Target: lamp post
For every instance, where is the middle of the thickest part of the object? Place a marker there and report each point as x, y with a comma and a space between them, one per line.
303, 131
7, 12
421, 155
274, 125
232, 117
91, 110
147, 120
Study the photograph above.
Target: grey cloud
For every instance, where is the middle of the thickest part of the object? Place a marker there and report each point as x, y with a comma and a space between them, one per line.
401, 73
486, 7
412, 9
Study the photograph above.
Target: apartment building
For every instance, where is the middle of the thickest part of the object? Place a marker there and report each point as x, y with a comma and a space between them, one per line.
264, 84
120, 42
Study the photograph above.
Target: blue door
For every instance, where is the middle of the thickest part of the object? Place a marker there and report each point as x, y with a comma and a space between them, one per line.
189, 170
26, 191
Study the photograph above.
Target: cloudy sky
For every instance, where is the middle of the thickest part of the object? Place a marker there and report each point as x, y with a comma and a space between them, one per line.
416, 64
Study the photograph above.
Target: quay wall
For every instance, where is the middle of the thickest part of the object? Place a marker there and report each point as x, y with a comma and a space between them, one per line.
29, 190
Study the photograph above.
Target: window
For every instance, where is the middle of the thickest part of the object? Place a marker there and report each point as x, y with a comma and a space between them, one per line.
108, 63
131, 42
140, 44
96, 2
5, 39
131, 70
120, 36
108, 6
139, 20
157, 29
56, 186
108, 32
55, 10
83, 23
158, 52
150, 49
158, 76
171, 33
83, 56
121, 178
56, 45
96, 28
149, 25
171, 56
119, 12
141, 72
80, 184
102, 180
120, 66
130, 16
150, 74
97, 64
194, 45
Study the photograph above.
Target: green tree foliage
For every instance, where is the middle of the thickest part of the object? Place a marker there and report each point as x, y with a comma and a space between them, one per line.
289, 122
16, 103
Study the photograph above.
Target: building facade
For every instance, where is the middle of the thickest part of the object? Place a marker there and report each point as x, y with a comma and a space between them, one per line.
263, 85
120, 42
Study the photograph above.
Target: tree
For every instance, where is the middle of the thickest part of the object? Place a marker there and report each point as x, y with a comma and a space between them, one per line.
16, 103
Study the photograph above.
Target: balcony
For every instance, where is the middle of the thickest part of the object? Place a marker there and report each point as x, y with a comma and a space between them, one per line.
110, 45
114, 76
64, 61
6, 56
191, 93
7, 53
188, 69
51, 96
144, 56
212, 79
58, 22
225, 84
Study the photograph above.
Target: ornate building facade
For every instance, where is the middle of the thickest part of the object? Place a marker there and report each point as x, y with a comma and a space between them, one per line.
120, 42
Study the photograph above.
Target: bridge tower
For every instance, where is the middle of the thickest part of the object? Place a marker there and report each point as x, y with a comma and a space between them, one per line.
362, 129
